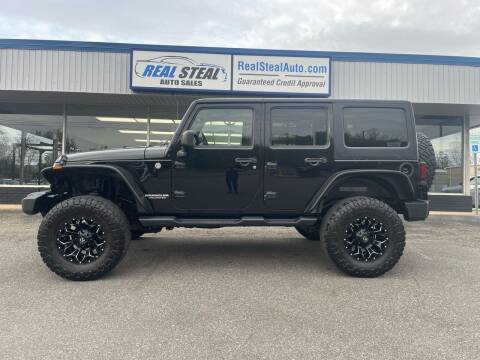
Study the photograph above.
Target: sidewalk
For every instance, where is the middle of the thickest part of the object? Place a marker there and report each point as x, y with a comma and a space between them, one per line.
8, 207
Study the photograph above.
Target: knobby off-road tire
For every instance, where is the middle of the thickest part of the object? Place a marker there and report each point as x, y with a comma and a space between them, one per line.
88, 215
343, 224
311, 233
426, 154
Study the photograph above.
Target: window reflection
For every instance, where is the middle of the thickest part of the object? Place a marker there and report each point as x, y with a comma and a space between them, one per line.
299, 126
31, 134
100, 127
231, 127
28, 143
446, 136
375, 127
164, 122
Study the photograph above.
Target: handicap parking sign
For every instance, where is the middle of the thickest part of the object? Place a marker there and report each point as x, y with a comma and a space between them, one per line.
474, 148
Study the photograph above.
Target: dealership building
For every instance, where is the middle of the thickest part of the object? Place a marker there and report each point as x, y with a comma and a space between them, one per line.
62, 96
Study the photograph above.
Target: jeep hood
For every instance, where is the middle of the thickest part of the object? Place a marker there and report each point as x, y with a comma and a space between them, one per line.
133, 154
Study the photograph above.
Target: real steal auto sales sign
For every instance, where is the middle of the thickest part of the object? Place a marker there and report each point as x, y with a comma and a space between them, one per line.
156, 70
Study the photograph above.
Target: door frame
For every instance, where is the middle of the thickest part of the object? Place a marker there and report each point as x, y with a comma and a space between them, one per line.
258, 109
328, 147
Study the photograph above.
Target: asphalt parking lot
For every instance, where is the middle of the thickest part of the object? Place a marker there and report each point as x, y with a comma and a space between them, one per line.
244, 293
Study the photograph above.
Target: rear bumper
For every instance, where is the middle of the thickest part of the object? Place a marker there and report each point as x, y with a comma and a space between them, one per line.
33, 203
416, 210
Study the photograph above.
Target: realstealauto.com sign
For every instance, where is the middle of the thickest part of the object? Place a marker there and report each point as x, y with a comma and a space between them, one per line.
281, 74
230, 73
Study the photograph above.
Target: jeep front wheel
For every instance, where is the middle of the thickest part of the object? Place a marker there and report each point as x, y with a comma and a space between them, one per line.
364, 237
84, 237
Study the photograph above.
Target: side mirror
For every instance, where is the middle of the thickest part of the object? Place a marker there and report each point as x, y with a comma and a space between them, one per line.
181, 154
188, 139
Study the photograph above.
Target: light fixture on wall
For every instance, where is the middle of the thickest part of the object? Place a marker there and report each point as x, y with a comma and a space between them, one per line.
128, 131
137, 120
152, 140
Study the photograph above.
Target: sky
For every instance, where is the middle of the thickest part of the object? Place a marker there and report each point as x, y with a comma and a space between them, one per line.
441, 27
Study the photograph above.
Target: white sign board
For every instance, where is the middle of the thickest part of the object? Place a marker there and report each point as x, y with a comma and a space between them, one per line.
279, 74
175, 70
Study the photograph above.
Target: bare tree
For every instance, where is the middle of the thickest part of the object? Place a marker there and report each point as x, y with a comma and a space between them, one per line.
455, 156
443, 161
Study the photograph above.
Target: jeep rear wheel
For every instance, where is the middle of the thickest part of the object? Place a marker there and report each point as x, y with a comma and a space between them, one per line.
84, 237
364, 237
311, 233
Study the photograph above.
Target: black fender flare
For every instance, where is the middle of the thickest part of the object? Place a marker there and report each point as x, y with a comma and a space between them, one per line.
406, 183
143, 204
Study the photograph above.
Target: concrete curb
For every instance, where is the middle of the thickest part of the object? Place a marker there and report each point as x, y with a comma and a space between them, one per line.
10, 207
434, 215
452, 213
454, 216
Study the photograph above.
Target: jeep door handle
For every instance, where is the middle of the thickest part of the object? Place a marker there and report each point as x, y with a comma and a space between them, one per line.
315, 161
245, 161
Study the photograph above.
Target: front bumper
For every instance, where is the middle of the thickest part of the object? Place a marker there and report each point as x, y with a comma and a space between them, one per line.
34, 202
416, 210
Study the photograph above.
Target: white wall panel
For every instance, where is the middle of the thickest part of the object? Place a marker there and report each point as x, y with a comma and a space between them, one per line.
59, 70
399, 81
108, 73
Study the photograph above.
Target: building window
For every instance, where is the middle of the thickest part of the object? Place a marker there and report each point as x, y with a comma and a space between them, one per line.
164, 121
299, 126
30, 139
446, 136
100, 127
375, 127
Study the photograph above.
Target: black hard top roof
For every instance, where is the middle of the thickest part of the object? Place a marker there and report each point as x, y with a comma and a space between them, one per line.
296, 99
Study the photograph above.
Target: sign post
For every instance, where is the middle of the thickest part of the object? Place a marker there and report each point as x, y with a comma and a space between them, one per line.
475, 149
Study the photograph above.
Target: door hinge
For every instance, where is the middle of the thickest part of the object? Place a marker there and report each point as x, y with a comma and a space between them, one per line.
269, 195
179, 194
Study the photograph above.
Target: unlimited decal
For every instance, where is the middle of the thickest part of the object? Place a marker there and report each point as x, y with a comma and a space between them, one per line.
179, 71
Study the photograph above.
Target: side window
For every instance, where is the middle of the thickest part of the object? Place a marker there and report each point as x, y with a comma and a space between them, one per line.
375, 127
223, 127
299, 126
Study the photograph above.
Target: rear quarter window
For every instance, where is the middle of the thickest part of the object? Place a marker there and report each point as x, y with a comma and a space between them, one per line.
375, 127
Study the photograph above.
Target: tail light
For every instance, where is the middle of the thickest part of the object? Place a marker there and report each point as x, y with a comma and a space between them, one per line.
423, 171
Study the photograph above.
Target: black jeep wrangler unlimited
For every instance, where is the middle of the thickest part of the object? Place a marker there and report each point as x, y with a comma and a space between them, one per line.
339, 171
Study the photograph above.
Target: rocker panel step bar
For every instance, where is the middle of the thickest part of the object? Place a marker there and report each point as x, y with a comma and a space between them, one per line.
243, 221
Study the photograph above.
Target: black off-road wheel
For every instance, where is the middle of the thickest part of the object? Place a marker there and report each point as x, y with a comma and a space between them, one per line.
311, 233
84, 237
426, 154
363, 236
